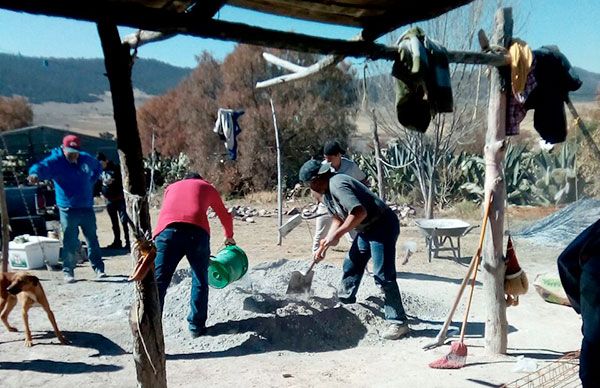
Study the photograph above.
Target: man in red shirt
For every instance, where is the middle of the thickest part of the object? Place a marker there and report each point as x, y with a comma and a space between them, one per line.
183, 229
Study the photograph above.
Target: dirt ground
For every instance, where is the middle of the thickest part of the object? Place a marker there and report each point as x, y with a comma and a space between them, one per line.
100, 351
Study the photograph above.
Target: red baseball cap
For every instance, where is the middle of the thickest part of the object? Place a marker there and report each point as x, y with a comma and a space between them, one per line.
71, 143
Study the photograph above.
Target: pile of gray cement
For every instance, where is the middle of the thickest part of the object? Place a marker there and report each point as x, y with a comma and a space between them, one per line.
254, 314
560, 228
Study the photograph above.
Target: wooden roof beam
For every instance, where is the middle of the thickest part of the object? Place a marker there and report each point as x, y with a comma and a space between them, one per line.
133, 15
410, 14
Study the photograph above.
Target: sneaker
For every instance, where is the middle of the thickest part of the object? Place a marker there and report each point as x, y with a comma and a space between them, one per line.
395, 331
100, 274
69, 278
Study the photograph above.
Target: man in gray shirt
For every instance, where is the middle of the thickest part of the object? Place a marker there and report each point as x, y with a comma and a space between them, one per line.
333, 154
354, 206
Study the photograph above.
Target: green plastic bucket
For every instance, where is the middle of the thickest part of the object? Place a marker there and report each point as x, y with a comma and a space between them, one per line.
229, 265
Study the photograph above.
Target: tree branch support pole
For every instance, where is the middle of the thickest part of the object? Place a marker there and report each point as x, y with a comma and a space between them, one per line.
279, 183
145, 317
586, 134
494, 267
377, 146
5, 221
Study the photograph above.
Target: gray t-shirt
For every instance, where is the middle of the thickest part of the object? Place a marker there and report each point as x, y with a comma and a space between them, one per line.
346, 193
348, 167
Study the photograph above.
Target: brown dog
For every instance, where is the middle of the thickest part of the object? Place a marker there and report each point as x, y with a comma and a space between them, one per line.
28, 290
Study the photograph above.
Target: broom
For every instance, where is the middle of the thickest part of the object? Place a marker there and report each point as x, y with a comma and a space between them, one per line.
457, 356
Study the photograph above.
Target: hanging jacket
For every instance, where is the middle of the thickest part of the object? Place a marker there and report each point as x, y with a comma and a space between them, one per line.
228, 129
422, 80
73, 182
439, 86
555, 78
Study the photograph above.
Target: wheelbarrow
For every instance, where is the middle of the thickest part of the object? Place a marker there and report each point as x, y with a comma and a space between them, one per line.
441, 231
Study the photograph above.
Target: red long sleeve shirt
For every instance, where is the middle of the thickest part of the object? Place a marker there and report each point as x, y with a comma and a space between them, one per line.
187, 201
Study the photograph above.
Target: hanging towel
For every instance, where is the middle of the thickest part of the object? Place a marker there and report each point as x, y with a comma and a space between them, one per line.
228, 129
521, 59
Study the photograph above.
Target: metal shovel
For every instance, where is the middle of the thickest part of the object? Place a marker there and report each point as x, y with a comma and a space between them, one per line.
299, 283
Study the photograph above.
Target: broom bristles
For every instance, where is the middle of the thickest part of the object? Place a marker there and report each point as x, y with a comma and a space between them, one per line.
455, 359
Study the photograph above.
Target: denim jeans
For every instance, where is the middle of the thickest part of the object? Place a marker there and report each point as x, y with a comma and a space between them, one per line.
176, 241
589, 363
380, 244
117, 212
71, 219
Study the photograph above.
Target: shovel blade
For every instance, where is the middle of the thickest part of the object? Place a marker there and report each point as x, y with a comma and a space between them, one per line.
299, 283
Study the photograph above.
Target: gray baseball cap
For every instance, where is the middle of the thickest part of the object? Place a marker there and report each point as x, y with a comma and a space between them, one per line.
313, 168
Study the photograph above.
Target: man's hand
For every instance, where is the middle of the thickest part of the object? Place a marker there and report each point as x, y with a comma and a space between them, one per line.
319, 255
33, 179
229, 241
330, 240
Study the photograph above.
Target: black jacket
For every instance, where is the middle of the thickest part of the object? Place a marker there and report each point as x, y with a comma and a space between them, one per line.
555, 79
112, 183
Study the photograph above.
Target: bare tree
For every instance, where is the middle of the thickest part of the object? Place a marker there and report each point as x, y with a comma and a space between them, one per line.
463, 128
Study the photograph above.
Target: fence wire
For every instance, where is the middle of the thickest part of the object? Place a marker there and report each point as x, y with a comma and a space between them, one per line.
562, 373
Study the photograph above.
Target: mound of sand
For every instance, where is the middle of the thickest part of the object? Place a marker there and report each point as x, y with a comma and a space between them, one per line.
255, 315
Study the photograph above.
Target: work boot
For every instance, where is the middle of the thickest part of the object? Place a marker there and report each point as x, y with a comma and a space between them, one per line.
396, 331
115, 245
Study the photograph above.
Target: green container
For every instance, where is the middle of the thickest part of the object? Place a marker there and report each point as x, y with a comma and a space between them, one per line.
229, 265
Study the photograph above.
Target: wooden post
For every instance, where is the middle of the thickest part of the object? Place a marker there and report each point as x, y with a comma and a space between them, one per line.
145, 318
153, 158
380, 185
495, 149
5, 220
279, 184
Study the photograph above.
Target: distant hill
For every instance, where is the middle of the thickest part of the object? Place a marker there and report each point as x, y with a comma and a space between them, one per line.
75, 80
590, 88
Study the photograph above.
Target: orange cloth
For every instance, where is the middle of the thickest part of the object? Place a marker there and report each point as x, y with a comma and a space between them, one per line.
520, 64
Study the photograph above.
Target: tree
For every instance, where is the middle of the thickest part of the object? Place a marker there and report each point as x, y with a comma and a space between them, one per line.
308, 113
15, 112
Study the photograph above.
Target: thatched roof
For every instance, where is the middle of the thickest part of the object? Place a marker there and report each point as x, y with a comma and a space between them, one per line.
375, 17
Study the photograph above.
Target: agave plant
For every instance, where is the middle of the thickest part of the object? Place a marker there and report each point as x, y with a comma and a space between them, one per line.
168, 169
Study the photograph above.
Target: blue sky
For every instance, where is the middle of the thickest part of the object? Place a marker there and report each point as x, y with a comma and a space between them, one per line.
570, 24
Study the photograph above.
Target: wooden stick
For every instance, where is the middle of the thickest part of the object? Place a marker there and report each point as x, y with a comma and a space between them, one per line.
477, 261
441, 337
279, 178
586, 134
5, 221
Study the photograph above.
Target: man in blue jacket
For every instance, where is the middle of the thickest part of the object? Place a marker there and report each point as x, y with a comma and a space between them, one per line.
74, 173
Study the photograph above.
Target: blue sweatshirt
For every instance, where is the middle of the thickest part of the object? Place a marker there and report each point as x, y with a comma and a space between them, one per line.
73, 182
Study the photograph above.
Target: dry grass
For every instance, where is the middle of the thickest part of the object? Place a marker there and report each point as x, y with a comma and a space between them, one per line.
468, 210
262, 197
